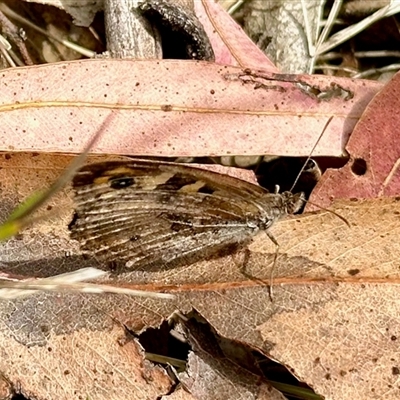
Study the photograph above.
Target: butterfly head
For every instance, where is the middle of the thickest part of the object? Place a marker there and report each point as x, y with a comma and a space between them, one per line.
277, 205
292, 202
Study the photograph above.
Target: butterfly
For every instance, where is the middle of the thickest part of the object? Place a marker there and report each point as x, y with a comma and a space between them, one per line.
155, 213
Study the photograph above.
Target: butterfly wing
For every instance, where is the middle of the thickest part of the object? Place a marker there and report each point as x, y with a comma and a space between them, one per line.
158, 213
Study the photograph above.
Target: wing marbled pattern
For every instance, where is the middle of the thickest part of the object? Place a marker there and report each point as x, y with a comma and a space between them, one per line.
157, 213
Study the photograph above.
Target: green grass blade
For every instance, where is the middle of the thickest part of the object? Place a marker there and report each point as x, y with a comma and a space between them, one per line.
21, 216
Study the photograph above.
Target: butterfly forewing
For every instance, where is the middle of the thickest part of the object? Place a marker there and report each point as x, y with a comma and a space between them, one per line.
157, 213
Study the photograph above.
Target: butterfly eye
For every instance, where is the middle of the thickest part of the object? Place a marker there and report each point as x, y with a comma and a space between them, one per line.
121, 182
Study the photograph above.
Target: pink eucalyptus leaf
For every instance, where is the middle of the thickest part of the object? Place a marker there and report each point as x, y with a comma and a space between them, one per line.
177, 108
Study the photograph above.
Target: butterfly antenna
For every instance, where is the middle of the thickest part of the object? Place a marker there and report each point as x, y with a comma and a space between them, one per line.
330, 211
312, 150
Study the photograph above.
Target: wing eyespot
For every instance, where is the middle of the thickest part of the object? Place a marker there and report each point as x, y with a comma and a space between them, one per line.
206, 190
121, 182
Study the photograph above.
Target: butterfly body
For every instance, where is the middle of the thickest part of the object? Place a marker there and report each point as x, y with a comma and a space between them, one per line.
147, 213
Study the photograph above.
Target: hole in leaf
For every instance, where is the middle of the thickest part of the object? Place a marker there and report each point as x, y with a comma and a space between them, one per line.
225, 351
160, 341
359, 167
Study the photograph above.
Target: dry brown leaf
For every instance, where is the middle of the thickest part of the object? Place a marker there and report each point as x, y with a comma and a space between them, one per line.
90, 364
179, 394
333, 319
225, 380
231, 370
175, 108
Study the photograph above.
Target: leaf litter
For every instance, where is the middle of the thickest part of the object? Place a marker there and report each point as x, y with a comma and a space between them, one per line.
314, 283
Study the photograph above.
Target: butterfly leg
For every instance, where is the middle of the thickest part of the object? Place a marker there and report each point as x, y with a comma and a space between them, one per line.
271, 276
